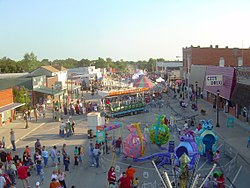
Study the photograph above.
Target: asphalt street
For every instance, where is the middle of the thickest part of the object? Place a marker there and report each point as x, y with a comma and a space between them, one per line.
89, 177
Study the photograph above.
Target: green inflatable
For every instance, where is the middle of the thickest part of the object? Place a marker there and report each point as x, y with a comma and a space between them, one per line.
159, 133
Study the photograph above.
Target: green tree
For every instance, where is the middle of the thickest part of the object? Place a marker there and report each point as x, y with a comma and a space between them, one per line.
21, 96
29, 62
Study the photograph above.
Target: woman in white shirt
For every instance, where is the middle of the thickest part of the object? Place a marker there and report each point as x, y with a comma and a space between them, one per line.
61, 178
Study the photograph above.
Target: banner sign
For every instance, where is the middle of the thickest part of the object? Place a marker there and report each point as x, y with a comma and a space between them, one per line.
100, 136
214, 80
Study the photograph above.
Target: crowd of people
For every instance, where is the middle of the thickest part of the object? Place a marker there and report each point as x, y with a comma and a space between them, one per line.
67, 129
13, 165
127, 179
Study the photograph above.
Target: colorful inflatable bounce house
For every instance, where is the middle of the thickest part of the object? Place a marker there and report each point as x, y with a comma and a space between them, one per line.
159, 132
207, 138
135, 143
189, 147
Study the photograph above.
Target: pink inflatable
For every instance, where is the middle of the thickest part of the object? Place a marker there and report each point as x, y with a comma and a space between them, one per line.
134, 144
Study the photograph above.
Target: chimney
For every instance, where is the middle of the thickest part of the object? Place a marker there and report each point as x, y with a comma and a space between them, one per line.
226, 46
198, 46
211, 46
216, 46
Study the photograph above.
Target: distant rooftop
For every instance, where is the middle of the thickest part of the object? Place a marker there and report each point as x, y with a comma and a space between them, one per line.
13, 75
50, 68
170, 64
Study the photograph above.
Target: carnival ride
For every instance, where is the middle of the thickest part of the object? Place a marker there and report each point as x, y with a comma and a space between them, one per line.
134, 144
206, 138
120, 103
159, 133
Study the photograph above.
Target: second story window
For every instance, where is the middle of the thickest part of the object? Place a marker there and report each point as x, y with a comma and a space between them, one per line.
222, 62
240, 61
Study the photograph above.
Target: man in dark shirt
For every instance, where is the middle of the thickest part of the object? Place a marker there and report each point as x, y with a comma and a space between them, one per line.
3, 156
118, 144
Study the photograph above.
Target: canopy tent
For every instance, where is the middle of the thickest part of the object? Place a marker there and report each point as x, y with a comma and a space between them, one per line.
135, 76
144, 82
160, 79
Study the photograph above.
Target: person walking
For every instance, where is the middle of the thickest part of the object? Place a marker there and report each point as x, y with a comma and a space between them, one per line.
38, 161
64, 153
118, 144
66, 163
91, 155
111, 177
96, 153
12, 139
61, 177
217, 157
22, 172
35, 113
62, 127
45, 155
131, 172
125, 181
53, 155
80, 154
2, 180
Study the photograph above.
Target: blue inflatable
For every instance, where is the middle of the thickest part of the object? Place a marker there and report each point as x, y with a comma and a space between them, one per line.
206, 138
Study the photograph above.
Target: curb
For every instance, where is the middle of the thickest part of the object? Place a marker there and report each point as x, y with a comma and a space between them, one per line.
31, 131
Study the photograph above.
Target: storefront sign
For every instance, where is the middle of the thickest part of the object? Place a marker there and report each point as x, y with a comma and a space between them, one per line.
39, 81
214, 80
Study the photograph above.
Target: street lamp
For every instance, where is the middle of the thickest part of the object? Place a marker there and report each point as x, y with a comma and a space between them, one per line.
217, 109
196, 93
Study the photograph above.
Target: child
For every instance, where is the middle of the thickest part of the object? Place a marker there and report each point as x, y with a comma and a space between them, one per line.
58, 155
76, 150
80, 153
41, 176
136, 183
76, 160
217, 157
66, 163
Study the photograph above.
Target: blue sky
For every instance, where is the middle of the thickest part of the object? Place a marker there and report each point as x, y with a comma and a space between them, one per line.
128, 30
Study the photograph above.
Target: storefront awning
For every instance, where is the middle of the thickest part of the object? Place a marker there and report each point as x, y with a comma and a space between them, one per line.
10, 107
49, 91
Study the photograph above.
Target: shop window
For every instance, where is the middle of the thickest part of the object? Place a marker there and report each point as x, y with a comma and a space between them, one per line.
222, 62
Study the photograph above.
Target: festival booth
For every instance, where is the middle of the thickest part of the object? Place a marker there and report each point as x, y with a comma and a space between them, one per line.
102, 135
94, 119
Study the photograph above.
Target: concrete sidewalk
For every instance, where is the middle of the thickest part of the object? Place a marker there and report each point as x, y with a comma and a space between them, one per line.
19, 128
236, 136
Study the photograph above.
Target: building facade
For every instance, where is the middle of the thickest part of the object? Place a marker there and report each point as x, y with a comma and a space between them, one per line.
172, 70
223, 57
7, 106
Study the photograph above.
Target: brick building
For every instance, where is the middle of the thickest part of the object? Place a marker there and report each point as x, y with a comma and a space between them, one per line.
224, 57
7, 106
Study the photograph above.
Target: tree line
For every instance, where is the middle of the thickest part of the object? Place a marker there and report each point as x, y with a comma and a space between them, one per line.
30, 63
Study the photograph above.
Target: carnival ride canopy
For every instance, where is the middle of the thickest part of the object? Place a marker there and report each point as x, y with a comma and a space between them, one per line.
144, 82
